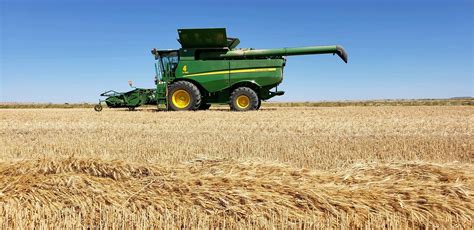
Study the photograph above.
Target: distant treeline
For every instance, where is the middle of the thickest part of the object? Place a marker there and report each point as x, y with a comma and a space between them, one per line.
405, 102
44, 106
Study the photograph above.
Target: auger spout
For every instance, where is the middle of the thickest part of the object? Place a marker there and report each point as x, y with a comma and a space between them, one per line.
335, 49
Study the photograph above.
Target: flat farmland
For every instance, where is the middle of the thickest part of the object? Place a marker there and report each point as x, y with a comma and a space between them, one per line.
300, 167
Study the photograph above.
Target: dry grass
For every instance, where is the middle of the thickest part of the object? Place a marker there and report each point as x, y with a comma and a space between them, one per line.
400, 102
367, 167
397, 194
44, 105
320, 138
467, 101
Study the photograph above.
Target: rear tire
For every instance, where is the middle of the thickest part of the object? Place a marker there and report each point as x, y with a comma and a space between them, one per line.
259, 104
183, 95
243, 99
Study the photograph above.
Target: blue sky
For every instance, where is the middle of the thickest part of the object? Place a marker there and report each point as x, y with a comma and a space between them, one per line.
71, 51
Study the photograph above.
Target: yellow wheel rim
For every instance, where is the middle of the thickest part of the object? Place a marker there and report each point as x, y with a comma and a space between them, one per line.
243, 101
181, 99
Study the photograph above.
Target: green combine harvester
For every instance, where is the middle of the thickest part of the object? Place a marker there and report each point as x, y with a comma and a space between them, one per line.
210, 69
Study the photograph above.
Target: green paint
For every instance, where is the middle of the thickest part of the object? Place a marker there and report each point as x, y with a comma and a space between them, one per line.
130, 99
211, 61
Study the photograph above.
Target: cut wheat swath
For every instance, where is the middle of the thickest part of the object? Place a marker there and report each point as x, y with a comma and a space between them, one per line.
236, 193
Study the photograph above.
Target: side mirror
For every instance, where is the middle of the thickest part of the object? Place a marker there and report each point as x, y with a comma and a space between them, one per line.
155, 53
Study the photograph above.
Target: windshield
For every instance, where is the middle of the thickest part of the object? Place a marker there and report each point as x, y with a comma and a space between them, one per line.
166, 64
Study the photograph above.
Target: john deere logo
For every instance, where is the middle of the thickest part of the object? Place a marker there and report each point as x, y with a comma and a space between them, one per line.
185, 69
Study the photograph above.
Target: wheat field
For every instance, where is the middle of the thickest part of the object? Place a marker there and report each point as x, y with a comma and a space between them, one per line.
281, 167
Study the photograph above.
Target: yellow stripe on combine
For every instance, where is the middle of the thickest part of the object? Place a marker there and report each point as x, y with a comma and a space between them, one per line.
253, 70
233, 71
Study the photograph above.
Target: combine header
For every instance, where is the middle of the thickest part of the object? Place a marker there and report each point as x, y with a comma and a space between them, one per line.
209, 69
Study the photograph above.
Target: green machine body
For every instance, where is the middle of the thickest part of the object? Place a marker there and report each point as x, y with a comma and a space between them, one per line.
208, 69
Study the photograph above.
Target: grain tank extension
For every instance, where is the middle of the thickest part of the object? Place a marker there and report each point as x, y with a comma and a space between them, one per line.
209, 69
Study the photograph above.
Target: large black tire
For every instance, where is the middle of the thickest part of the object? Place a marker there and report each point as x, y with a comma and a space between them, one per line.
183, 95
243, 99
